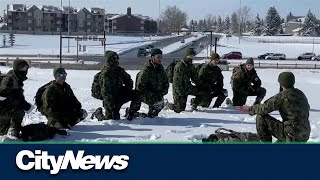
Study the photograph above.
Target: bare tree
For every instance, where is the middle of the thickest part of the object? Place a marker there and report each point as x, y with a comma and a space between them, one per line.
173, 19
244, 16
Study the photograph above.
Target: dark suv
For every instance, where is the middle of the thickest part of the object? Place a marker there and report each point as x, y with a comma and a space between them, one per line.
142, 52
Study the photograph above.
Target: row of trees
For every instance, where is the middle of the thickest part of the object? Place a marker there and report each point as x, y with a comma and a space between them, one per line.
173, 19
11, 40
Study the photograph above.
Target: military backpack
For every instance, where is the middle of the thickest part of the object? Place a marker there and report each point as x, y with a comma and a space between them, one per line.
96, 87
170, 70
38, 97
227, 135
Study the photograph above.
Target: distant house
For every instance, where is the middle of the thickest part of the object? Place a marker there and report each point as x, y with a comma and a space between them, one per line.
130, 23
293, 23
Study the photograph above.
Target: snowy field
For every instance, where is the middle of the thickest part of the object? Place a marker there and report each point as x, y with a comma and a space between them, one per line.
49, 44
250, 46
169, 126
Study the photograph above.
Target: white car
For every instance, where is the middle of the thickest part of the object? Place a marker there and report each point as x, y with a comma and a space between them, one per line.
276, 56
224, 65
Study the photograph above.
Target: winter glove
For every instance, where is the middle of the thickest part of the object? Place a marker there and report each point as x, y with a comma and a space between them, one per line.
30, 109
13, 132
84, 114
158, 105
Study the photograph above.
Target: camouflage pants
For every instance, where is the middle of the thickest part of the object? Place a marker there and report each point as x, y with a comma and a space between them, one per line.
125, 95
240, 99
65, 122
268, 126
204, 98
180, 102
10, 118
151, 100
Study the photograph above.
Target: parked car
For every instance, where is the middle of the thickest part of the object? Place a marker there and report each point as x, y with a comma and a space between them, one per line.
232, 55
224, 65
263, 56
316, 58
142, 52
306, 56
276, 56
182, 41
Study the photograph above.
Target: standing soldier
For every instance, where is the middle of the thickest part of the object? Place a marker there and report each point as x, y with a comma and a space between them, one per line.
210, 84
12, 102
245, 82
60, 105
294, 110
184, 73
153, 83
116, 89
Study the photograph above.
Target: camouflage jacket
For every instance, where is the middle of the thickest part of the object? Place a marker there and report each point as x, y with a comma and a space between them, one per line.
111, 80
152, 80
184, 74
242, 79
59, 100
293, 107
12, 88
210, 78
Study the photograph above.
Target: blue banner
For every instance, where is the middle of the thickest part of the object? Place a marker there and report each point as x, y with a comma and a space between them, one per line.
160, 161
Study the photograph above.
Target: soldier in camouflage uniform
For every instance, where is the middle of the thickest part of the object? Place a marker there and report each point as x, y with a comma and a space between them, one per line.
294, 109
210, 83
184, 73
153, 83
245, 82
60, 106
116, 89
12, 101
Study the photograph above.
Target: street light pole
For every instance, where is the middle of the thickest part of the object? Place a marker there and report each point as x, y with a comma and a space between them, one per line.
158, 18
61, 35
314, 33
240, 22
69, 28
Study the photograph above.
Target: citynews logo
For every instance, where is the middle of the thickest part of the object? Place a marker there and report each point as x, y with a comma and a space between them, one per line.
40, 160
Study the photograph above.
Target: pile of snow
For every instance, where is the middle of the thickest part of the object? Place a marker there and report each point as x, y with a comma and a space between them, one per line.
49, 44
169, 126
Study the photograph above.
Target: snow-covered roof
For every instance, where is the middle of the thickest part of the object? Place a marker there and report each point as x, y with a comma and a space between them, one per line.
96, 10
17, 7
116, 16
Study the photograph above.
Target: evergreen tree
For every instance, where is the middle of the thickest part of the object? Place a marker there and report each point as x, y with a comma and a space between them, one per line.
200, 25
11, 39
219, 24
234, 23
309, 24
4, 40
258, 26
227, 25
273, 22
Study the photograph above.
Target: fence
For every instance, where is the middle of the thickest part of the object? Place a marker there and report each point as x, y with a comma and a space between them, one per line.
282, 66
299, 40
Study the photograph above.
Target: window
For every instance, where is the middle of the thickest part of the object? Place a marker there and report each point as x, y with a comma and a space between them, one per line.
29, 21
114, 21
10, 28
88, 23
88, 30
88, 16
114, 27
142, 22
142, 28
58, 14
9, 13
29, 28
9, 20
58, 29
29, 14
58, 22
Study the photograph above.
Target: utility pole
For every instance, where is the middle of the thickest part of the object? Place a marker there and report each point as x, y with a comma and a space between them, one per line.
240, 21
61, 34
211, 39
69, 28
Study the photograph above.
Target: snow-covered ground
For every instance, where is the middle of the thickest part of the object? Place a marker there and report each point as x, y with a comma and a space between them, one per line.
169, 126
253, 46
49, 44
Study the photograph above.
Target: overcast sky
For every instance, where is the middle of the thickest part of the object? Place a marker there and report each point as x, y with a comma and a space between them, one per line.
196, 9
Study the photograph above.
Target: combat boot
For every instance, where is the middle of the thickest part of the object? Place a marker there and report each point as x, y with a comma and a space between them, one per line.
98, 114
